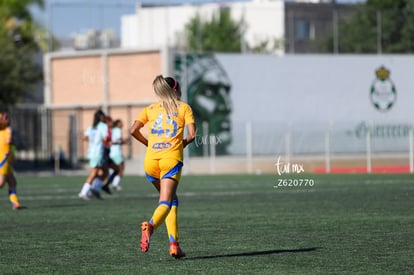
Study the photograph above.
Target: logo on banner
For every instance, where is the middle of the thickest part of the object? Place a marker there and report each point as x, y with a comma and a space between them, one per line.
383, 92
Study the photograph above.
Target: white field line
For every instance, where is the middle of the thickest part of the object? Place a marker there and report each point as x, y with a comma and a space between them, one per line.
140, 196
60, 192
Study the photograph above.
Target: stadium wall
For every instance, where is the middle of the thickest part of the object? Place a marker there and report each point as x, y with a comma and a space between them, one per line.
78, 83
303, 108
339, 110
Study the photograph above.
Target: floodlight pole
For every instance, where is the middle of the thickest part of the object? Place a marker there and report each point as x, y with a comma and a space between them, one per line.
328, 152
49, 26
205, 136
105, 82
288, 141
249, 147
411, 144
335, 32
212, 141
369, 154
379, 32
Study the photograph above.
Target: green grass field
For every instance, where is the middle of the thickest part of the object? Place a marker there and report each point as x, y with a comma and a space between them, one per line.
228, 225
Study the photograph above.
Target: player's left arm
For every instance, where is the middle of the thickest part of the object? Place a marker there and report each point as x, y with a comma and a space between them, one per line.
10, 141
9, 136
190, 123
191, 129
86, 134
125, 140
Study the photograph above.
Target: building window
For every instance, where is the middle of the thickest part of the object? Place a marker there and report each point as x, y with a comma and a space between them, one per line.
304, 30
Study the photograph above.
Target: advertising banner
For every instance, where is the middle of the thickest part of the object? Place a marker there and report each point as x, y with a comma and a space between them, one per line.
350, 95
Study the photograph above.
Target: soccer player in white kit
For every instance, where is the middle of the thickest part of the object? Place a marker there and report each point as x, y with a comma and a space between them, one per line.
96, 135
116, 154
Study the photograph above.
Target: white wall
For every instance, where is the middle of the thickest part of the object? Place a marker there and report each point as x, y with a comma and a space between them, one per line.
306, 96
160, 26
129, 35
316, 88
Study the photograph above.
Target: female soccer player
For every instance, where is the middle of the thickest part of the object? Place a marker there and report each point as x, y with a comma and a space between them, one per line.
96, 135
108, 162
6, 157
116, 154
164, 155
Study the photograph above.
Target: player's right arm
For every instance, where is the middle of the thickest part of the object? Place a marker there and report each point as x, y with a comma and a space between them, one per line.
135, 131
139, 122
86, 134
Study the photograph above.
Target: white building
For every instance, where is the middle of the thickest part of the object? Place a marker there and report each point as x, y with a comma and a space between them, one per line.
264, 20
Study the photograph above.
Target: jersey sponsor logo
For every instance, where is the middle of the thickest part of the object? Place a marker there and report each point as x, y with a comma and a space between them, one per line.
161, 145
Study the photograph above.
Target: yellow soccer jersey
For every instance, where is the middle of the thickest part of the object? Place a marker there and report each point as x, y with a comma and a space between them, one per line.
166, 133
5, 144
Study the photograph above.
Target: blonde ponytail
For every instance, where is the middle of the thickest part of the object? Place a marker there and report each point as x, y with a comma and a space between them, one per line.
167, 94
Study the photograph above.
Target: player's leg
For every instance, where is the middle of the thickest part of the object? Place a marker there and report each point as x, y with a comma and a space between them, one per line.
110, 164
93, 164
152, 173
4, 169
114, 165
7, 175
170, 171
99, 181
84, 193
2, 180
157, 185
92, 174
116, 182
171, 221
168, 188
14, 200
112, 177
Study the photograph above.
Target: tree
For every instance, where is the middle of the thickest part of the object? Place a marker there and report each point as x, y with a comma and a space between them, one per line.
385, 26
221, 34
19, 72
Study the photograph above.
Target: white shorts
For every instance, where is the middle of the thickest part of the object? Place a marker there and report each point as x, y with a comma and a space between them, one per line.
117, 159
96, 162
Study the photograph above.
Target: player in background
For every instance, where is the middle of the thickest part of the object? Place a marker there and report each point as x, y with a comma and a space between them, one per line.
166, 121
108, 163
116, 154
96, 135
6, 158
